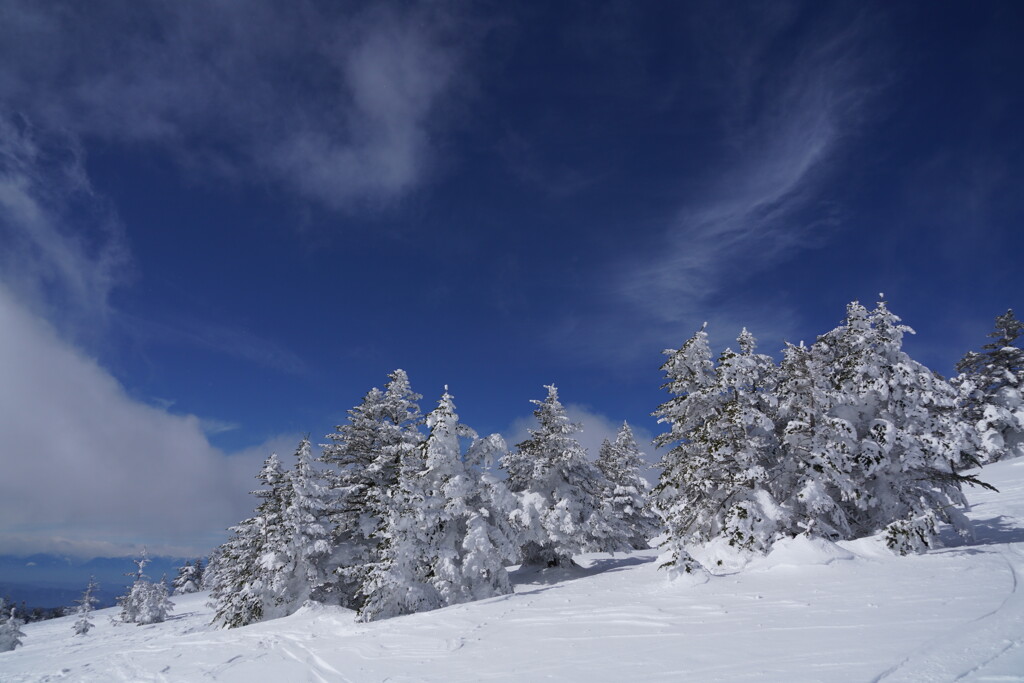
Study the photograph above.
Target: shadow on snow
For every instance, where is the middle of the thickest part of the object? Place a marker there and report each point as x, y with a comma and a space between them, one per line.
532, 575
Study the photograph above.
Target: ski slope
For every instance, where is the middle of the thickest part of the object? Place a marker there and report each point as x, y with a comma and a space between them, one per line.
807, 612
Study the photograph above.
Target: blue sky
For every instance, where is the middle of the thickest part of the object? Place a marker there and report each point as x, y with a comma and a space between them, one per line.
221, 223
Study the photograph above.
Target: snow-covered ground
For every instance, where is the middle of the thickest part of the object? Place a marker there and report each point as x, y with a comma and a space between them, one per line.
807, 612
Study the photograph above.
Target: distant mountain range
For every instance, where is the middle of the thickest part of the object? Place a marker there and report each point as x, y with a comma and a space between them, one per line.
56, 581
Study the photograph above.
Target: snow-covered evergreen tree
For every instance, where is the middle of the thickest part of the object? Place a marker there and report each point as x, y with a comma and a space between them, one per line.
364, 461
561, 510
188, 579
442, 544
240, 570
620, 462
199, 573
887, 437
993, 383
10, 631
849, 438
307, 544
131, 602
716, 481
690, 379
157, 606
815, 475
84, 610
212, 569
145, 602
490, 540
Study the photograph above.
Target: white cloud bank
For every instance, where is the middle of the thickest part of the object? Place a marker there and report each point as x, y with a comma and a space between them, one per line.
87, 469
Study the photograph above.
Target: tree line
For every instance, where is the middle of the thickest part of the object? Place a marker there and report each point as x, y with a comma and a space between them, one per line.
845, 438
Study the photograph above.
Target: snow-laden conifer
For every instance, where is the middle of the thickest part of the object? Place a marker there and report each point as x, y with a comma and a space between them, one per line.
306, 543
815, 476
145, 602
716, 481
10, 630
893, 433
993, 384
621, 462
560, 511
212, 569
188, 579
363, 461
84, 610
444, 543
240, 570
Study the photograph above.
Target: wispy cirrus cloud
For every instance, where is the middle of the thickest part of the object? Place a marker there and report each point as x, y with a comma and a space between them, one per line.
782, 134
43, 186
341, 103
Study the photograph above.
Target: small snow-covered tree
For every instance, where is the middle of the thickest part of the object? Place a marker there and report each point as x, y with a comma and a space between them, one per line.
84, 610
560, 510
131, 602
716, 481
188, 579
364, 460
620, 462
157, 606
10, 631
145, 602
992, 382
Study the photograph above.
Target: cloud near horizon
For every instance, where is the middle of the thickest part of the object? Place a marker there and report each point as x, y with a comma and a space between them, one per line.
82, 454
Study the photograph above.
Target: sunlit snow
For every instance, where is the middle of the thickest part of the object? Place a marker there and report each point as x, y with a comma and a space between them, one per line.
810, 611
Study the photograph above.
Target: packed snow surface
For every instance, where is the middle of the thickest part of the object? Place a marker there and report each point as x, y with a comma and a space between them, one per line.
809, 611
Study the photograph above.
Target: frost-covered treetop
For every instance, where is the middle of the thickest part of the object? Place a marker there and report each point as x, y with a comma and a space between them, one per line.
551, 415
689, 368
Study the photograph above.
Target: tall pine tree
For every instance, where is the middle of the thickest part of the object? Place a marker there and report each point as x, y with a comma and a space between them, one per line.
364, 459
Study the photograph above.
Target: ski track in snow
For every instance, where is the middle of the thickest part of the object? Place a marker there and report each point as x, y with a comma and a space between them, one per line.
857, 614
